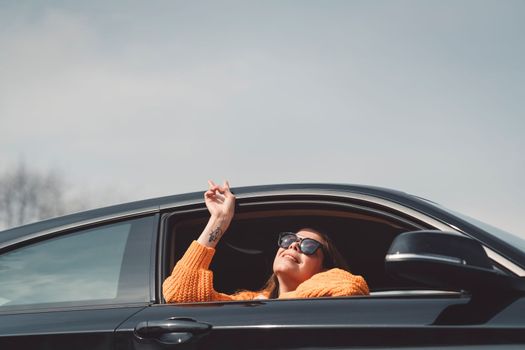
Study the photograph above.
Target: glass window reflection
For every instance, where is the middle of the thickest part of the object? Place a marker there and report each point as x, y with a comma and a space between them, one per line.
83, 266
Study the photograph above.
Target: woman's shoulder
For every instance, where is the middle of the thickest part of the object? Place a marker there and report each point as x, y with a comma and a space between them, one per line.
338, 282
334, 273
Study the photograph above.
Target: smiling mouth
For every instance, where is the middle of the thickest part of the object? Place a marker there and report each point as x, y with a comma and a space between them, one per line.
290, 257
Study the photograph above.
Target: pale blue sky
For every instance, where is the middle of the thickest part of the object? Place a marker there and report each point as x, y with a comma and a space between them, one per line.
136, 99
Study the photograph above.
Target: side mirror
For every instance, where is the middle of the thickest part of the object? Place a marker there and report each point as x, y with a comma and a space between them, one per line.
446, 260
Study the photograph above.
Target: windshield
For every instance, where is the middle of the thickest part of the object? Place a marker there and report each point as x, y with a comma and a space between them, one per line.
510, 238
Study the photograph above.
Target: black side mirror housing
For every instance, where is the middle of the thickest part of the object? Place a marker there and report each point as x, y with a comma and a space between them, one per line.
446, 260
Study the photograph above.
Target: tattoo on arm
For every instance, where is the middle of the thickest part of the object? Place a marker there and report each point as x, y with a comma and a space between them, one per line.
215, 234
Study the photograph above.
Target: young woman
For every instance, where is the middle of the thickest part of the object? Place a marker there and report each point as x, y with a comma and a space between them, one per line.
306, 265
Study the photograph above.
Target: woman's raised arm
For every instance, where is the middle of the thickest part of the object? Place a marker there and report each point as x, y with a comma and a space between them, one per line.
190, 280
221, 205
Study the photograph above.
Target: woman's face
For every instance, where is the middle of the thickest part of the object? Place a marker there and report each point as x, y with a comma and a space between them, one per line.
294, 267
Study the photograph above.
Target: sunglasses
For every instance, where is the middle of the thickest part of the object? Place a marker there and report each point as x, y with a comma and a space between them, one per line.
307, 246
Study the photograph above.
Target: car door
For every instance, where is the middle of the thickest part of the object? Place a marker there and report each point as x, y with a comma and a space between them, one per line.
402, 320
72, 289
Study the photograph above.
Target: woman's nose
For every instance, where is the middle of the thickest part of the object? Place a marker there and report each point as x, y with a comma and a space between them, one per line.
295, 246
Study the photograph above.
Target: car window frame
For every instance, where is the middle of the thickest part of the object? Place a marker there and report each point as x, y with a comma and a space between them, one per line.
419, 222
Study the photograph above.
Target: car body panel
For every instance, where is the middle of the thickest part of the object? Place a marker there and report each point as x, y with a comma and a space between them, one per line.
78, 329
340, 322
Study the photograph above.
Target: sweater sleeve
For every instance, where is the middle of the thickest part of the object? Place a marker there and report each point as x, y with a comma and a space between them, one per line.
192, 281
331, 283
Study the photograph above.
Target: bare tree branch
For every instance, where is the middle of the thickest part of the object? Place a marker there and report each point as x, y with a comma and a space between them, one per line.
28, 195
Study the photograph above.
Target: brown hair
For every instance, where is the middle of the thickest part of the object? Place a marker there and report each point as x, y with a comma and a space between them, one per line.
332, 258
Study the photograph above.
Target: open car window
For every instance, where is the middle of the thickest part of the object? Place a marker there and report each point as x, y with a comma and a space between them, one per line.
244, 256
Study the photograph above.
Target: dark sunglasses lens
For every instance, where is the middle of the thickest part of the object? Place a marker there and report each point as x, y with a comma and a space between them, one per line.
309, 246
286, 240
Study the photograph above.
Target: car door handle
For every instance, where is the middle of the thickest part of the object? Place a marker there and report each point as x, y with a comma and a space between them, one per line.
172, 331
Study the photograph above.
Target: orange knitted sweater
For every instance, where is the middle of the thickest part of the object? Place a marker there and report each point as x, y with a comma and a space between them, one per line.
191, 281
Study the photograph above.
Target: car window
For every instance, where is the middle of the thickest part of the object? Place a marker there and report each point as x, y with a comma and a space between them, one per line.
83, 267
244, 258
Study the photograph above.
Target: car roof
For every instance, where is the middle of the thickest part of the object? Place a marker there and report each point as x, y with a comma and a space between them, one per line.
153, 205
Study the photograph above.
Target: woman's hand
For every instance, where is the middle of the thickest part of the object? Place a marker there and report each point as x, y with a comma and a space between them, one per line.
221, 205
219, 200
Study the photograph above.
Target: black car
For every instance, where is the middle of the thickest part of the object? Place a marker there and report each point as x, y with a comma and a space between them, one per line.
92, 280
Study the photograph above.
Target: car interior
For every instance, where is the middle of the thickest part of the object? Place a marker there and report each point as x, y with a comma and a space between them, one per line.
244, 256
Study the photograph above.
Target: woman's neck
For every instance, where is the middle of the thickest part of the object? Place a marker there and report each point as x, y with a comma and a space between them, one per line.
285, 285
